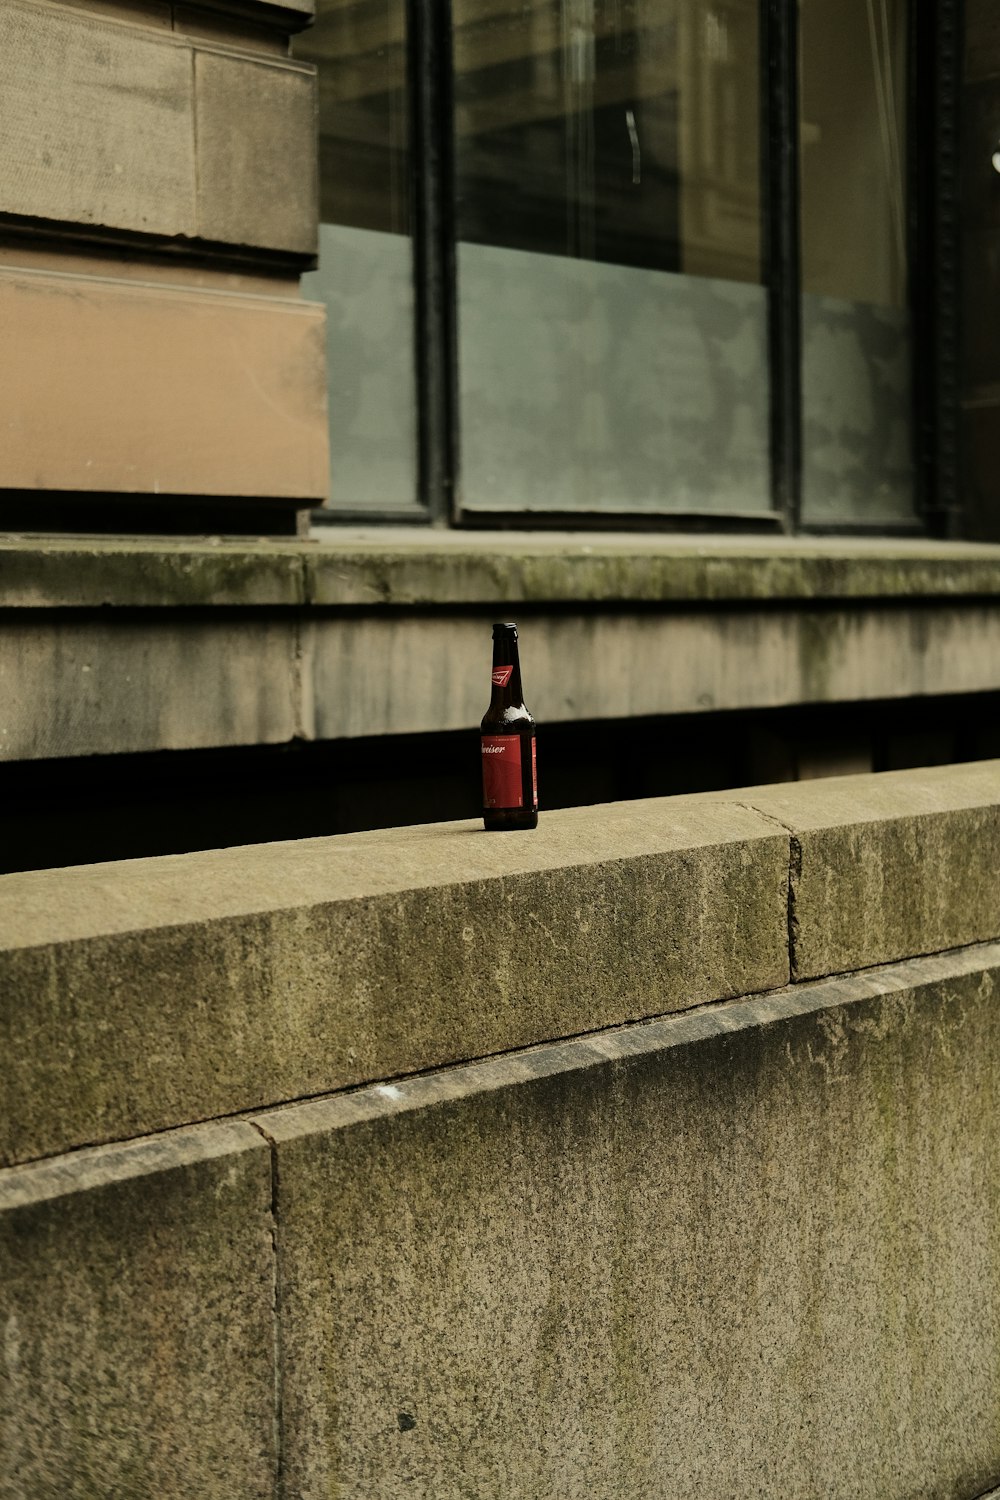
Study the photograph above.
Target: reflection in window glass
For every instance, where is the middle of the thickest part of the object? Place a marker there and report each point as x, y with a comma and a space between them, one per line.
856, 461
612, 321
365, 274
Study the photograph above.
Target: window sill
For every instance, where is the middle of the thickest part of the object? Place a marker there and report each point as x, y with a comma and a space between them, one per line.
403, 568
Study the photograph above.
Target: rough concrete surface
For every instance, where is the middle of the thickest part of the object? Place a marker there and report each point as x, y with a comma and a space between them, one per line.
888, 866
400, 568
155, 992
393, 637
60, 572
746, 1251
393, 672
343, 566
136, 1302
85, 687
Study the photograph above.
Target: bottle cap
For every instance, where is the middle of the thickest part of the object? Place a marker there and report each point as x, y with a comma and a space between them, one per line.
504, 629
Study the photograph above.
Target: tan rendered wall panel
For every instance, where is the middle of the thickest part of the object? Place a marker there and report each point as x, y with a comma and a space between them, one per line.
152, 132
149, 390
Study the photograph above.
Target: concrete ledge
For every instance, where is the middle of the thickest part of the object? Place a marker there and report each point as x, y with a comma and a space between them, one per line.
148, 994
739, 1248
737, 1252
136, 1303
888, 866
392, 636
402, 569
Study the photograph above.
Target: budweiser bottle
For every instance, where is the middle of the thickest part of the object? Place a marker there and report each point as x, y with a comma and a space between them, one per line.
510, 787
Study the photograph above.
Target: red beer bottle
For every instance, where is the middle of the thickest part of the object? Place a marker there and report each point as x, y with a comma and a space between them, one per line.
510, 786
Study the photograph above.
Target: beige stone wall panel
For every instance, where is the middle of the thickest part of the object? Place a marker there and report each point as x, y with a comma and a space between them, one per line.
743, 1252
116, 386
154, 992
257, 153
96, 122
136, 1300
137, 129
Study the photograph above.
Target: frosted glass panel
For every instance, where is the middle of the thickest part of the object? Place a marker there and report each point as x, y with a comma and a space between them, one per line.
601, 387
857, 462
365, 278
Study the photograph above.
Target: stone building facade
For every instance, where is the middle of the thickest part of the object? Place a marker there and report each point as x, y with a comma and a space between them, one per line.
663, 329
348, 1152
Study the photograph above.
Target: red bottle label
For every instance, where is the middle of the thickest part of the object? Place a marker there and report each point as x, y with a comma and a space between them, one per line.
501, 676
534, 774
502, 786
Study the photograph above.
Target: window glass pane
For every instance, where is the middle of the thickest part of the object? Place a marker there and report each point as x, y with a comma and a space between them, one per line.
612, 321
365, 273
978, 343
856, 449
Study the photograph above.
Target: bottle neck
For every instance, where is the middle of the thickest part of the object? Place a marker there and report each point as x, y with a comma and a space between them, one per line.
507, 690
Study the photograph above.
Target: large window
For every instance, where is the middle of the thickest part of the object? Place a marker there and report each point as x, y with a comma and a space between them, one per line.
612, 325
620, 259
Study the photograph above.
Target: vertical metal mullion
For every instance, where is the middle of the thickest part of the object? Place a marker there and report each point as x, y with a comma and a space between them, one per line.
781, 249
429, 54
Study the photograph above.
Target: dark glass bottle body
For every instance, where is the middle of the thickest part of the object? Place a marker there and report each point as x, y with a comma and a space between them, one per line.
510, 790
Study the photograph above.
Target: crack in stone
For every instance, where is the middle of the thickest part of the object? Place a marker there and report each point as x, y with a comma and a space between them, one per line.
794, 877
276, 1324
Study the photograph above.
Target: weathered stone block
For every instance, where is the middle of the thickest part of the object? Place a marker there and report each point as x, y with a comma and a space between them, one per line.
394, 672
399, 569
140, 129
741, 1252
156, 992
89, 687
891, 865
136, 1305
66, 572
96, 121
257, 166
158, 390
375, 656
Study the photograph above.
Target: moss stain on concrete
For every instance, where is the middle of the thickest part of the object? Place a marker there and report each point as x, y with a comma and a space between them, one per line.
489, 570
